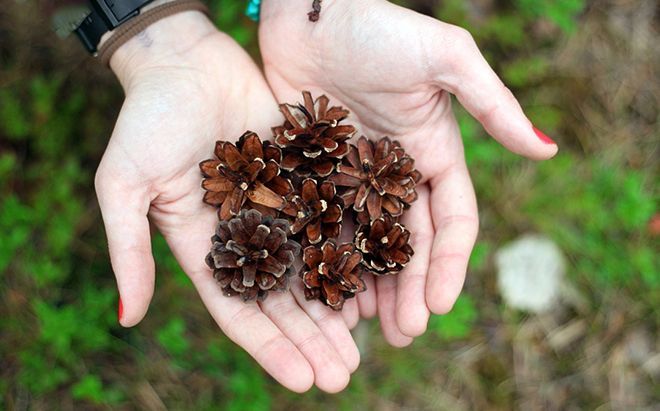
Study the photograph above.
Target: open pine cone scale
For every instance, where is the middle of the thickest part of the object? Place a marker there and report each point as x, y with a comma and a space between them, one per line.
245, 173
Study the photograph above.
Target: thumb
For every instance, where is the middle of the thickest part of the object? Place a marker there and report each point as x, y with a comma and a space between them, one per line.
461, 69
124, 214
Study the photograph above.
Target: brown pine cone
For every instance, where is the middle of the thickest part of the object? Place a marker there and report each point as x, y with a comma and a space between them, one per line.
385, 245
252, 255
332, 274
311, 137
379, 175
245, 174
318, 210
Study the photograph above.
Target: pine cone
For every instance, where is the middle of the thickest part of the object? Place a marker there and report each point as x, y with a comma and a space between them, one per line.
379, 175
332, 274
252, 255
311, 137
245, 173
318, 210
384, 244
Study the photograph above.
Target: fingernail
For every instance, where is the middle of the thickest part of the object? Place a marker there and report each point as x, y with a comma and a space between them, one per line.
120, 310
543, 137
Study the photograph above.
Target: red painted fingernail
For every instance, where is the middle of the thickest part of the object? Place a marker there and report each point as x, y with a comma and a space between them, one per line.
543, 137
120, 311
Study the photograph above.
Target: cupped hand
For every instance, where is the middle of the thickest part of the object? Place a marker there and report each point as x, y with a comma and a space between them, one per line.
395, 69
188, 85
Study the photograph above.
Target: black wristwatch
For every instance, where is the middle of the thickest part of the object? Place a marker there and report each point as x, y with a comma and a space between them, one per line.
106, 15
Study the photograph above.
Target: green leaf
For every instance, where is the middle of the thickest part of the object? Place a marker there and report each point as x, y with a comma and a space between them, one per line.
7, 165
561, 12
647, 264
13, 117
507, 30
454, 12
39, 375
634, 206
172, 337
248, 387
45, 271
523, 71
57, 327
44, 94
479, 255
89, 388
15, 219
458, 323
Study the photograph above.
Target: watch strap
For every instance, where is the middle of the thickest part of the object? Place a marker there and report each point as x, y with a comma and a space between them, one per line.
136, 25
106, 15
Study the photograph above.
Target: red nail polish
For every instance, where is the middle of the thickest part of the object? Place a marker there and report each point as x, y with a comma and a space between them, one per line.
120, 311
543, 137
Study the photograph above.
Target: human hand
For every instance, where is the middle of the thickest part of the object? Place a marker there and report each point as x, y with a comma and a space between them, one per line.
395, 69
188, 85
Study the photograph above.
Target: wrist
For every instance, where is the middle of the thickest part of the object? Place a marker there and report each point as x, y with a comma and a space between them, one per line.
169, 42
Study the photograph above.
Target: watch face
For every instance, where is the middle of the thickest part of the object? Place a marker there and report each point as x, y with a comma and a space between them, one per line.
67, 18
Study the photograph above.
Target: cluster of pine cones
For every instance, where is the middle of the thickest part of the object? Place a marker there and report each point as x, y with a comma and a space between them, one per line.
274, 199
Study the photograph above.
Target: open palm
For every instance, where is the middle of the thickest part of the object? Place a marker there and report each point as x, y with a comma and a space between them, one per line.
395, 69
175, 109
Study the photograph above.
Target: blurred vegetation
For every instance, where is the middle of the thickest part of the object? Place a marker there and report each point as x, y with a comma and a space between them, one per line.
586, 73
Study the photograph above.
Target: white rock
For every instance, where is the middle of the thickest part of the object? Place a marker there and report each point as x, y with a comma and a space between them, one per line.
530, 272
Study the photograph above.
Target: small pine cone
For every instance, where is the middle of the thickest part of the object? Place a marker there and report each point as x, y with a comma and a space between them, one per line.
252, 255
380, 176
318, 210
332, 274
385, 245
245, 174
311, 137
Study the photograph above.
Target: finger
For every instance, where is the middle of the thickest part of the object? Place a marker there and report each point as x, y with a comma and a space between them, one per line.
455, 221
189, 238
460, 68
332, 325
367, 304
248, 326
386, 289
412, 313
330, 372
124, 212
351, 313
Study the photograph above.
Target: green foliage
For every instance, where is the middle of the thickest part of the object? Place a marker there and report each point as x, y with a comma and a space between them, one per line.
14, 228
166, 262
39, 374
172, 337
609, 204
247, 386
508, 30
12, 116
524, 70
561, 12
227, 13
479, 256
91, 388
458, 323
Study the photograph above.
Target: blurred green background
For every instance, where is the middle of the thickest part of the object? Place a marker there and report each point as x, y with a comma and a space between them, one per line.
587, 74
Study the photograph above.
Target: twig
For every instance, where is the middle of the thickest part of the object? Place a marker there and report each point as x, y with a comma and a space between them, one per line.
315, 14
